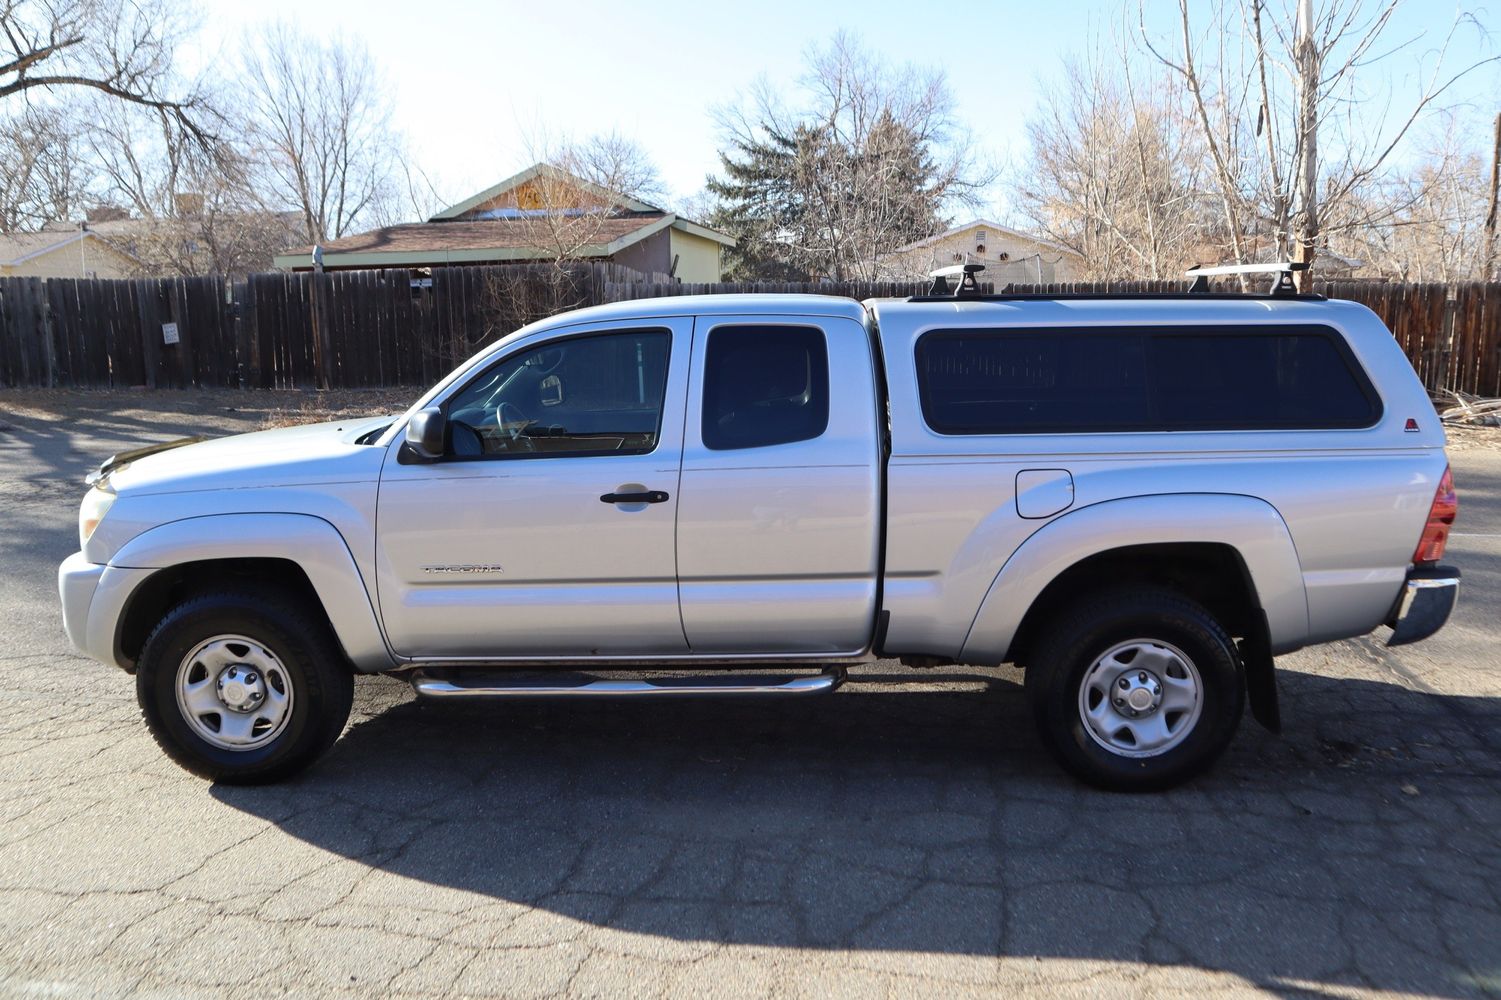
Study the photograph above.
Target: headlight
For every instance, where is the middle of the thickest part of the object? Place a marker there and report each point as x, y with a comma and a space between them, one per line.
95, 505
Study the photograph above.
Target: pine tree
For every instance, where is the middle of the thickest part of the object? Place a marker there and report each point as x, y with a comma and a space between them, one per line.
865, 168
758, 205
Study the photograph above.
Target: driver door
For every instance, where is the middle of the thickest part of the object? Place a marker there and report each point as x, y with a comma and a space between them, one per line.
548, 528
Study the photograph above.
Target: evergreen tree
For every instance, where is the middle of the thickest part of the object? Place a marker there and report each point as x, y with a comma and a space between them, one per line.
865, 168
757, 203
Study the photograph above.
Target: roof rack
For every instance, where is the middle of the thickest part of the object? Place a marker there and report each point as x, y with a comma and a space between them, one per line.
1282, 284
966, 286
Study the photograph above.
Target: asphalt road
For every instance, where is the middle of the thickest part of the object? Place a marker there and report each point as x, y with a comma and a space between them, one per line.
897, 838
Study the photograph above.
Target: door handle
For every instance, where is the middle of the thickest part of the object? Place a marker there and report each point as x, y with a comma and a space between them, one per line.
646, 496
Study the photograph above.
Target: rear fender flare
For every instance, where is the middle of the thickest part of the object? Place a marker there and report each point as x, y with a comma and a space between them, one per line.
1249, 525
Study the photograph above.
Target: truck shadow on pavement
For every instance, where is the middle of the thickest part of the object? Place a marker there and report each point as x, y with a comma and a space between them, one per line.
1358, 850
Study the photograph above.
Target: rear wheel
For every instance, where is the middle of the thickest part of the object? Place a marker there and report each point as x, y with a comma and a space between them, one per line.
1136, 690
243, 686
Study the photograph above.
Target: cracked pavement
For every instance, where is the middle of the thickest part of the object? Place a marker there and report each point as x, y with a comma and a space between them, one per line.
906, 836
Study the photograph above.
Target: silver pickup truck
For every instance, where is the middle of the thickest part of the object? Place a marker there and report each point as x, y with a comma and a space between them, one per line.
1139, 500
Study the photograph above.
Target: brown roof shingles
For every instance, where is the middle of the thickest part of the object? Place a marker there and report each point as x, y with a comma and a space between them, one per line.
487, 234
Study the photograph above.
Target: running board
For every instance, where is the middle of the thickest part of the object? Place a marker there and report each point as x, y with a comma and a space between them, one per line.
493, 686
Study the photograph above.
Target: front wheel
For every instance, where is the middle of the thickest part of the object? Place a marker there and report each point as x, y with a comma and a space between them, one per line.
243, 686
1136, 690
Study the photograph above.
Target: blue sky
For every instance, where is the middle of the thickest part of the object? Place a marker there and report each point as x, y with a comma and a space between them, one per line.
472, 79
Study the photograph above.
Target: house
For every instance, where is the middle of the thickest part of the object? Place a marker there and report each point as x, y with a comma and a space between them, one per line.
1009, 255
71, 253
221, 242
542, 213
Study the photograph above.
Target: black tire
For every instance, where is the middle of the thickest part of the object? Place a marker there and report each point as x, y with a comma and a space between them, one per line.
301, 640
1079, 637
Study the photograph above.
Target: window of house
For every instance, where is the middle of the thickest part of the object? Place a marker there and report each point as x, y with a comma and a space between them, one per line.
764, 385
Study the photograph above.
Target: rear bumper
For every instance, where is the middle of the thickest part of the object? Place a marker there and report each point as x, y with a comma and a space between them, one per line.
1424, 606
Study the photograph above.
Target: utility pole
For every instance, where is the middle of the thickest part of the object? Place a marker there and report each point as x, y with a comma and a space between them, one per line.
1306, 219
1488, 266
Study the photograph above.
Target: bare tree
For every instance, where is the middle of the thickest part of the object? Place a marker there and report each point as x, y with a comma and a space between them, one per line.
122, 50
1310, 76
1429, 215
614, 162
319, 128
44, 175
1115, 170
194, 208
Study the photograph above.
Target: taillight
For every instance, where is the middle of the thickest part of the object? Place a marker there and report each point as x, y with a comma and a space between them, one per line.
1440, 520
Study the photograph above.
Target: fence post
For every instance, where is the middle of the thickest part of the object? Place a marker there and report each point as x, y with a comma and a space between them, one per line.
49, 347
1446, 345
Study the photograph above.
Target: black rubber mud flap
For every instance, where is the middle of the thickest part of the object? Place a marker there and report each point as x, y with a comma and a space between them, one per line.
1261, 675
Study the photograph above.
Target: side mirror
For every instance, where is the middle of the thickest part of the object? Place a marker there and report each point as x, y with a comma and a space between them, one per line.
425, 434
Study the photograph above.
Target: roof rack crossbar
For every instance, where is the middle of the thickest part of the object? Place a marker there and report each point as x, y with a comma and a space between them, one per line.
966, 286
1282, 284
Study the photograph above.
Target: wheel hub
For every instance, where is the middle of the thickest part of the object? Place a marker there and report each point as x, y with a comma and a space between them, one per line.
1140, 698
241, 688
1138, 693
235, 692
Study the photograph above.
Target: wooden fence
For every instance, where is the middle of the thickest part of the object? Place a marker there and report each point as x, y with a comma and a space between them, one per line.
277, 330
385, 328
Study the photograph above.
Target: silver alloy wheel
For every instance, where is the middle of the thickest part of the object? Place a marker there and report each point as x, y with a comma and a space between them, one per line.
1141, 698
234, 692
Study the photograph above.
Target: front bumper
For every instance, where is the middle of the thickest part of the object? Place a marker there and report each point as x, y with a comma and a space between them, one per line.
94, 598
77, 579
1427, 599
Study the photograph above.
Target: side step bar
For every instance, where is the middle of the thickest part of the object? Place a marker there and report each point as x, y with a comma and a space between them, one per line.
495, 686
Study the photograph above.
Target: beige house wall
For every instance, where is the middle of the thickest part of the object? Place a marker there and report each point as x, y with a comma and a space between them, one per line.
1025, 261
698, 258
91, 258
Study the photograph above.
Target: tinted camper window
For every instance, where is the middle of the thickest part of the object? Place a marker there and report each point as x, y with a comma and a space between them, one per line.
1028, 381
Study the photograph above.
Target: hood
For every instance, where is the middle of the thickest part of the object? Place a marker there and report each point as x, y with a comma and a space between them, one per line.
288, 456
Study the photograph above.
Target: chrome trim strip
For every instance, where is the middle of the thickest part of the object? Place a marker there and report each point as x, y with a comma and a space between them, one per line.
1448, 581
637, 661
434, 687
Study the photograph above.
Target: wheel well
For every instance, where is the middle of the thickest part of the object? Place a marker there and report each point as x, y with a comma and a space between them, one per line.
168, 587
1212, 574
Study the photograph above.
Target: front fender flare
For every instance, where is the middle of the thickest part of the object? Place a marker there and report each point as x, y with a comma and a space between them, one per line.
311, 542
1250, 525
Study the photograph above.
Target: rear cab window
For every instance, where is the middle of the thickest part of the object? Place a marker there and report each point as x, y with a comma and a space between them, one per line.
1092, 379
764, 385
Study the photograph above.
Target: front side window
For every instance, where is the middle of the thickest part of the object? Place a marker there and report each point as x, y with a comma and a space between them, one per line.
1021, 381
595, 395
764, 385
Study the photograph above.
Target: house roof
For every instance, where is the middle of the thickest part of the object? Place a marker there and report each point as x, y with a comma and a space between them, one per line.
425, 237
464, 233
17, 248
997, 227
461, 241
540, 169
